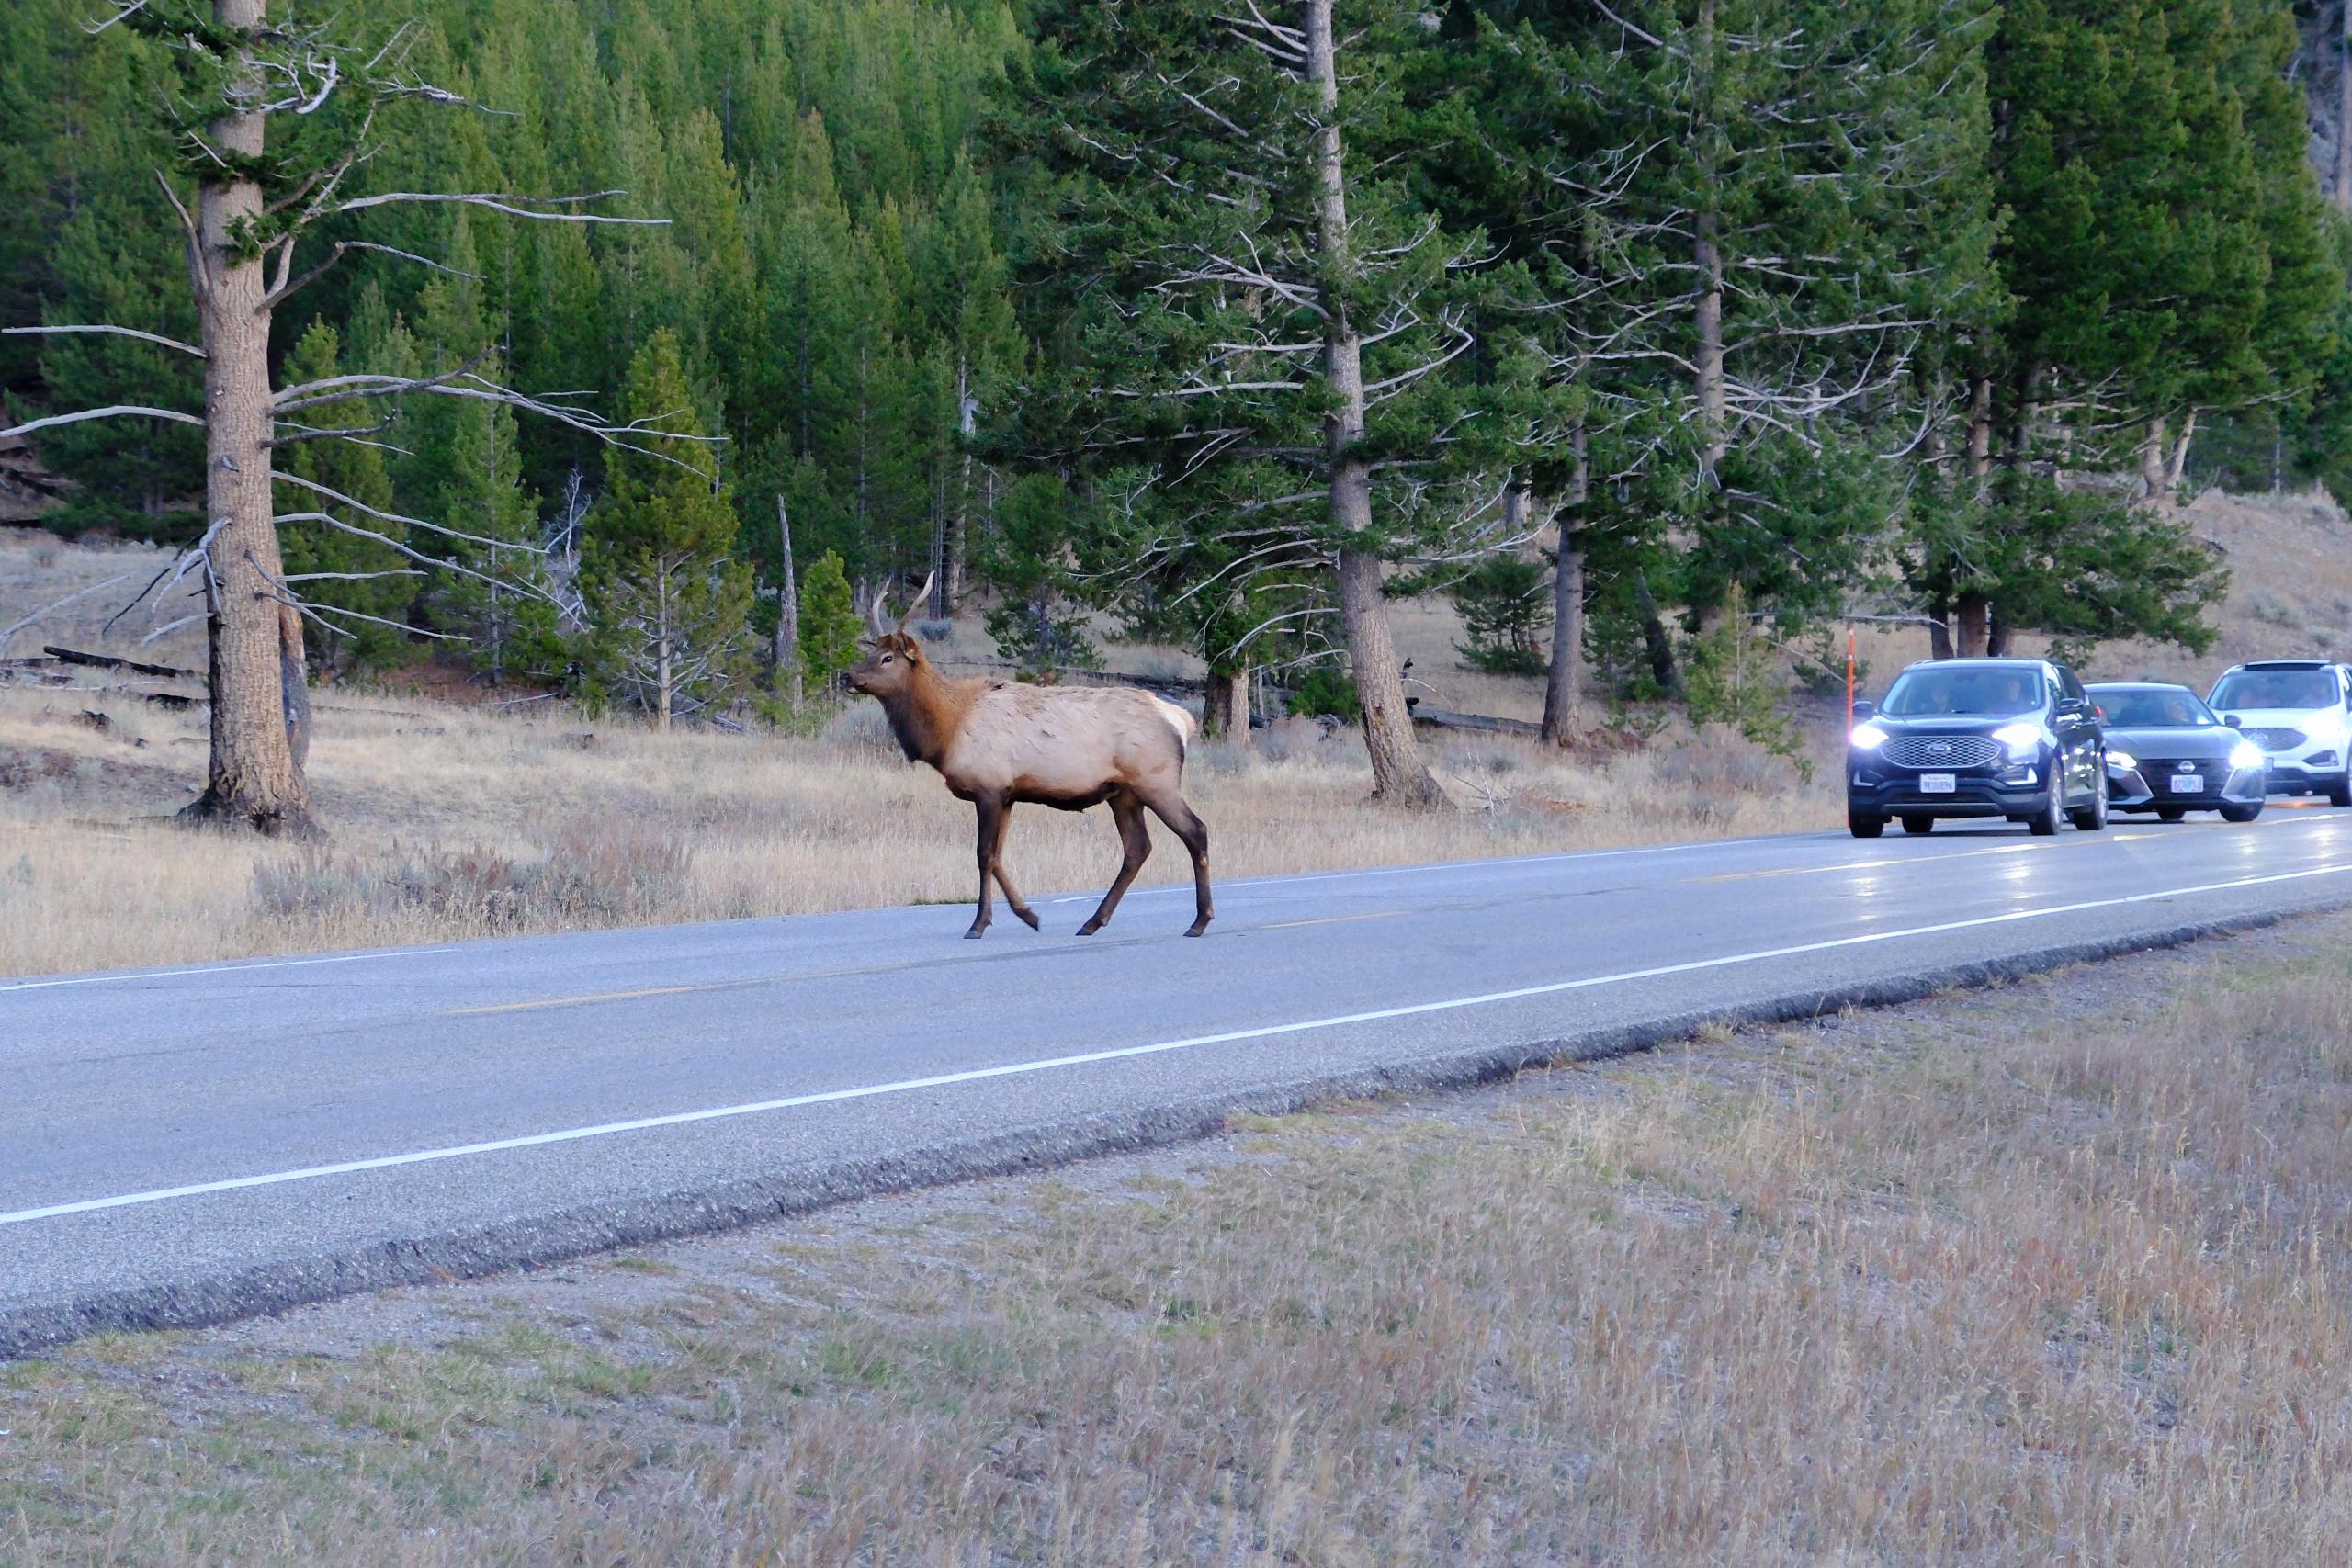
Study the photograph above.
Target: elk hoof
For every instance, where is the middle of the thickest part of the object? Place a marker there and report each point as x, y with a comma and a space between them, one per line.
1029, 917
1089, 928
976, 933
1199, 927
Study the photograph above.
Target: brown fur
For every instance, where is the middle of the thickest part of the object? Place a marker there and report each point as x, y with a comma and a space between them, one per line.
999, 744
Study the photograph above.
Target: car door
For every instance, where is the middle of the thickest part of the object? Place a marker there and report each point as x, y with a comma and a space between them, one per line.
2077, 730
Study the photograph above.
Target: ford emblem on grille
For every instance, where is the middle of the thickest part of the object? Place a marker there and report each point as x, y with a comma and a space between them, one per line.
1939, 747
2187, 767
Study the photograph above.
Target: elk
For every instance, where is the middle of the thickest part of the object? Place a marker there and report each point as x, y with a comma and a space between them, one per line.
997, 744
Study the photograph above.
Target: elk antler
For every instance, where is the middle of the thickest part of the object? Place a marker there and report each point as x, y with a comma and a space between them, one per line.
873, 613
922, 597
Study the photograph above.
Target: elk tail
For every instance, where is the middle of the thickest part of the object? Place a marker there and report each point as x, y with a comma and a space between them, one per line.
1181, 721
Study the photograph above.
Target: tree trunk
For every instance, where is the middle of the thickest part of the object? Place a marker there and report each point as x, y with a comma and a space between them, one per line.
787, 610
662, 648
1655, 638
2152, 461
1398, 774
1996, 634
959, 528
2344, 111
1975, 625
254, 777
1564, 680
2176, 468
1939, 638
1708, 259
1228, 716
1980, 427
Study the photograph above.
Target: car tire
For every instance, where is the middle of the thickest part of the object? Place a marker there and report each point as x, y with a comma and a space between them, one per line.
1916, 826
1864, 826
2241, 813
2043, 824
2175, 813
2340, 792
2092, 818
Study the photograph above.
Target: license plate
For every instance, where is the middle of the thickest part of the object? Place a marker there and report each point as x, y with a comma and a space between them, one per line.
2189, 783
1938, 784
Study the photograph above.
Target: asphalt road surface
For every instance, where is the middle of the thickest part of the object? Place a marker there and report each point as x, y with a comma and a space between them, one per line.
188, 1145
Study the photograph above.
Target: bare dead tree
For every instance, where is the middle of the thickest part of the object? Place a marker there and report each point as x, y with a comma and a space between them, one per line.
254, 217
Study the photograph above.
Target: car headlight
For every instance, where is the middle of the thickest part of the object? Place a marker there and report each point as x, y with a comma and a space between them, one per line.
2327, 726
2247, 755
2123, 759
2022, 740
1867, 737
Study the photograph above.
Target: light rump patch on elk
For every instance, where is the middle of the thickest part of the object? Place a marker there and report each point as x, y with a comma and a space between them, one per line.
997, 744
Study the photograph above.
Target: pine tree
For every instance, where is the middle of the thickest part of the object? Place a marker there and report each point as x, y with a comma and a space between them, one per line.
829, 627
668, 603
360, 587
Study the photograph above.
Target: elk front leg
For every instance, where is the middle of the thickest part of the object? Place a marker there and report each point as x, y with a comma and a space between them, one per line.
1135, 843
996, 863
992, 829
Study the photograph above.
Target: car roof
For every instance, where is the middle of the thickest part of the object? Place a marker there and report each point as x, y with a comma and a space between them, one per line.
2137, 687
2282, 664
1975, 664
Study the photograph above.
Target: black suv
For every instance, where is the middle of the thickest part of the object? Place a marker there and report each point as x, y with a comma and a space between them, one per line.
2014, 737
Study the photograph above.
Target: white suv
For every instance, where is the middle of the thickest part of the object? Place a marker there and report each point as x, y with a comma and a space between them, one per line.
2300, 712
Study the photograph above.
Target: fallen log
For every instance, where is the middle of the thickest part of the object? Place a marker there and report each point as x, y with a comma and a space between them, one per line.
1439, 718
108, 661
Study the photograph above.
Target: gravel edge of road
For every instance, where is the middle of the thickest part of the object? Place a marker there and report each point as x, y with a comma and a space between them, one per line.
567, 1235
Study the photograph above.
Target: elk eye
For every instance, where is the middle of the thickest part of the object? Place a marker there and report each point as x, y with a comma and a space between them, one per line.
887, 658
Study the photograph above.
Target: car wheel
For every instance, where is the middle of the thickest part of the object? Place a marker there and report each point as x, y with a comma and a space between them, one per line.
2043, 824
2175, 813
1864, 826
1917, 825
2091, 818
2340, 792
2241, 813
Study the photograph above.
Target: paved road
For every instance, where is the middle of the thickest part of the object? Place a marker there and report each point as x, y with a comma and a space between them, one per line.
185, 1145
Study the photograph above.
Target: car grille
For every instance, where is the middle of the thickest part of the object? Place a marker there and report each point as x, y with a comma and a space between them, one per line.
2277, 739
1940, 750
2214, 771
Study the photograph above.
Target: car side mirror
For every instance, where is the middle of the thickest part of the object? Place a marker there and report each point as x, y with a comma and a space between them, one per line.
2233, 721
1864, 707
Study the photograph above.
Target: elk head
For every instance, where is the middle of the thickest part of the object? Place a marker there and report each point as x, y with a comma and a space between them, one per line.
894, 659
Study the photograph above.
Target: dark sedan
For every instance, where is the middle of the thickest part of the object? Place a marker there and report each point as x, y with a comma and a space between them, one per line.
2168, 753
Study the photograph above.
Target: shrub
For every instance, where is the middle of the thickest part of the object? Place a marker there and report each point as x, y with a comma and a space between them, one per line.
1326, 689
1506, 614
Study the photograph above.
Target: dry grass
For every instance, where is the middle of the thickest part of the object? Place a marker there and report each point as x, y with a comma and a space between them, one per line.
455, 820
1949, 1285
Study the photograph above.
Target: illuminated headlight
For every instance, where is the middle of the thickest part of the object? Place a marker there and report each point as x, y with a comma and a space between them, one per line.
2245, 754
2123, 760
2022, 740
1867, 737
2325, 727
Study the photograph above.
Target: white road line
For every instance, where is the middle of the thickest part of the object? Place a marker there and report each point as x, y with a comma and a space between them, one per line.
222, 968
1011, 1069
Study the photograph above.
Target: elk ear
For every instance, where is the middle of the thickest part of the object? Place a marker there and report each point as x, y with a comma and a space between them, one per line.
922, 597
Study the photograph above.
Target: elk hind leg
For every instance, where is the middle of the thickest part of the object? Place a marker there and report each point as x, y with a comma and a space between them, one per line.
996, 864
1186, 824
1135, 844
991, 833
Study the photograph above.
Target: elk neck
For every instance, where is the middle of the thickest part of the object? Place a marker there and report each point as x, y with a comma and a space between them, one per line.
926, 716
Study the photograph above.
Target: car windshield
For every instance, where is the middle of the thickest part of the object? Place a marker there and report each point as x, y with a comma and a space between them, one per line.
2152, 707
1984, 690
2275, 689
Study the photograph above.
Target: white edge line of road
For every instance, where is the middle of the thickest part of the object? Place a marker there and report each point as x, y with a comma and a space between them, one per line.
224, 968
902, 1086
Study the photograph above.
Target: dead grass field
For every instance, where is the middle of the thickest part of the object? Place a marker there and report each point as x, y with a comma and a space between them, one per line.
2049, 1274
455, 820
